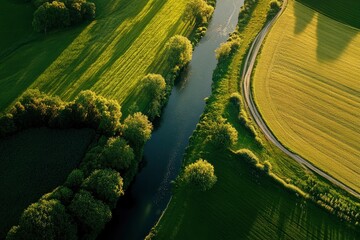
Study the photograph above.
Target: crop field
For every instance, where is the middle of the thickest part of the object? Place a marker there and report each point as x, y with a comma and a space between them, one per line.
306, 86
33, 162
109, 55
243, 204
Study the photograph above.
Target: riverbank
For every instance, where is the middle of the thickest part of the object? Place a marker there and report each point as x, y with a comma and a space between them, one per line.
245, 201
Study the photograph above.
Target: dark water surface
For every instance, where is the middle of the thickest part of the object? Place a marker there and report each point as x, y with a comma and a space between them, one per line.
147, 197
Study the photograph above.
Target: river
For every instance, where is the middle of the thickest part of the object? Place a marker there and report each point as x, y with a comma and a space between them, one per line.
150, 192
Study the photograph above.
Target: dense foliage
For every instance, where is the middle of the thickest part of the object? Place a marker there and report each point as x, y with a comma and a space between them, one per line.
59, 14
90, 192
275, 6
200, 175
180, 51
223, 135
156, 88
199, 10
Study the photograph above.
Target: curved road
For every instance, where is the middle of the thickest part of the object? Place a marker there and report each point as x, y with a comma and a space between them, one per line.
246, 78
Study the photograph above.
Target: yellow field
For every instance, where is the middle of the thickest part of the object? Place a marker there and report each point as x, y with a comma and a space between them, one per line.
307, 87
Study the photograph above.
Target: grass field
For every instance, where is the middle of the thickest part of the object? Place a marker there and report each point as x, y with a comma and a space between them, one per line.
110, 55
306, 85
243, 203
34, 162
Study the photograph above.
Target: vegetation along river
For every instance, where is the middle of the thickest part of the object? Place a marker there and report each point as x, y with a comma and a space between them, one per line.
148, 196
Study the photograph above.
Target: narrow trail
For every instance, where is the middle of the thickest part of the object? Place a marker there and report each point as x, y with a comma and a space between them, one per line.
247, 93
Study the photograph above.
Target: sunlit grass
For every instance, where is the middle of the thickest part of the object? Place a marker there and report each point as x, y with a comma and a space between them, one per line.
110, 55
306, 85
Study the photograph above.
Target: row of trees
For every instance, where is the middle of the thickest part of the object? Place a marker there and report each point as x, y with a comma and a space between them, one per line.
59, 14
82, 206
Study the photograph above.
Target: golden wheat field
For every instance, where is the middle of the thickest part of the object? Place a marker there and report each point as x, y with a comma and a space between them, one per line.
307, 87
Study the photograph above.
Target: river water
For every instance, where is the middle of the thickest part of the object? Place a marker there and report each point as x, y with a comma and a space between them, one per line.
150, 192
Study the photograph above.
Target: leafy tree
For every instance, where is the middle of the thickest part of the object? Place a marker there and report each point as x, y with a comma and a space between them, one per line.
200, 175
7, 125
180, 51
44, 220
223, 134
88, 10
61, 193
91, 214
156, 89
51, 15
15, 233
198, 9
75, 179
92, 160
137, 129
117, 154
105, 184
275, 7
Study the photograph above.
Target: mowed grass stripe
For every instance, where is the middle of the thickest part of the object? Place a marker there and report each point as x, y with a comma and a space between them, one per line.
310, 93
110, 55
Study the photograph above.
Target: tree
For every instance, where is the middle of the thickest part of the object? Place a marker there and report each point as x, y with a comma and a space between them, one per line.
88, 10
61, 193
46, 219
180, 51
200, 175
91, 214
105, 184
275, 7
7, 125
75, 179
248, 155
199, 10
137, 129
156, 88
223, 134
117, 154
51, 15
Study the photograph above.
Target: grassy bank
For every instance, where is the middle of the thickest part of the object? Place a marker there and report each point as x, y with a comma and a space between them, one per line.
34, 162
109, 56
245, 203
309, 96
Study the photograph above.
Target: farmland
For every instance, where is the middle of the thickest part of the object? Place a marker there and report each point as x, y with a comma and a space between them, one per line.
309, 95
244, 203
33, 162
109, 56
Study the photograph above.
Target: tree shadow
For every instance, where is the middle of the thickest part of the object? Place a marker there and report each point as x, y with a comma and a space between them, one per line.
301, 20
333, 39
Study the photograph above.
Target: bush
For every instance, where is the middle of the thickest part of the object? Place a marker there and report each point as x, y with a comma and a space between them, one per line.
275, 7
200, 175
227, 48
50, 16
7, 125
91, 214
199, 10
248, 155
44, 220
61, 193
75, 179
106, 185
236, 99
137, 129
156, 88
180, 51
117, 154
223, 134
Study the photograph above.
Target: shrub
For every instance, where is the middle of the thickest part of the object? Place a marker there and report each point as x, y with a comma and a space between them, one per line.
223, 134
137, 129
199, 10
7, 125
91, 214
227, 48
236, 99
117, 154
156, 88
267, 166
107, 185
61, 193
44, 220
248, 155
275, 7
75, 179
200, 175
180, 51
51, 15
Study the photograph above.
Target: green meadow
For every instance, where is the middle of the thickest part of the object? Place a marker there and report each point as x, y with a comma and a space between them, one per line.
109, 55
32, 163
245, 203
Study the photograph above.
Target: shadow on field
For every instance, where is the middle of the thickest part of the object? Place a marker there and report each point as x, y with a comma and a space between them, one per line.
332, 39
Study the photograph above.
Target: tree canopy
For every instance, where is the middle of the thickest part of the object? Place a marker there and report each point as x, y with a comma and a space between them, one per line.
180, 51
200, 175
137, 129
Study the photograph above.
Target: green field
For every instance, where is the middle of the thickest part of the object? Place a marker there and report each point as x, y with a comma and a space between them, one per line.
306, 86
109, 55
244, 204
34, 162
